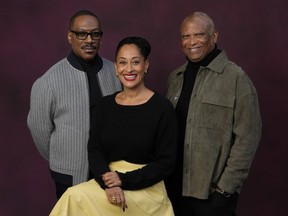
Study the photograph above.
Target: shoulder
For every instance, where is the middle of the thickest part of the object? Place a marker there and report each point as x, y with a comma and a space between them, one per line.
161, 108
109, 97
161, 102
107, 63
56, 74
108, 67
49, 74
57, 69
233, 68
63, 63
108, 100
176, 74
233, 73
179, 70
223, 64
104, 105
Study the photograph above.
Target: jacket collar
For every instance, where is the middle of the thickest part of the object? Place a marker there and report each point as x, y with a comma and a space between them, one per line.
217, 65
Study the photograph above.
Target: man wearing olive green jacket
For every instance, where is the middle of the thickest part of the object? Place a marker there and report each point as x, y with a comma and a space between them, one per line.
219, 124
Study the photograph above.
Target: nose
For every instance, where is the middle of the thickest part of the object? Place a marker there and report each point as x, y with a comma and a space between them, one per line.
129, 68
192, 40
89, 39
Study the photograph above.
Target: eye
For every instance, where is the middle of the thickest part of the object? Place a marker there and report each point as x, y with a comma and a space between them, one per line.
136, 62
96, 34
200, 35
81, 34
185, 37
122, 63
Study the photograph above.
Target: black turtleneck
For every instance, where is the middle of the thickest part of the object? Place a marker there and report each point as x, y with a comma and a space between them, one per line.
188, 84
91, 68
175, 183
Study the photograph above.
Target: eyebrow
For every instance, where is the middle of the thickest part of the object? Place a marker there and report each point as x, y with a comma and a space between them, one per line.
135, 57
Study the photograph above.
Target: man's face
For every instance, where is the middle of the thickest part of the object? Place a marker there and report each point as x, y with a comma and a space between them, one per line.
197, 39
87, 48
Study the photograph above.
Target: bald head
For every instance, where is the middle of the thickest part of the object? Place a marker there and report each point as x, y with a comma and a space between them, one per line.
202, 17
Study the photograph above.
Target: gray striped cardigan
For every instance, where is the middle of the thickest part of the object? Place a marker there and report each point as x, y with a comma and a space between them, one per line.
59, 115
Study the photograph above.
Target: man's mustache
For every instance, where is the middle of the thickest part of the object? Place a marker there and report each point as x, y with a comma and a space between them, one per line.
89, 46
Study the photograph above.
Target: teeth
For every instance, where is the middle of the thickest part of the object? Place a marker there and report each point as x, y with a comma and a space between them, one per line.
130, 77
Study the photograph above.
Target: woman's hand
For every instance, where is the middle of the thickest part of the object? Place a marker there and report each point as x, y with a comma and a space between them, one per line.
116, 196
111, 179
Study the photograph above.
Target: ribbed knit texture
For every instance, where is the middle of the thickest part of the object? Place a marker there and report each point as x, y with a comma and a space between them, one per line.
59, 116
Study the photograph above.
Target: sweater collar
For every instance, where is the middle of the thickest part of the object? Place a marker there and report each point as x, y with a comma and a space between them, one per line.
80, 64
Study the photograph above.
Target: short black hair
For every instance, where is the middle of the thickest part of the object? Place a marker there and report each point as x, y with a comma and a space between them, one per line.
141, 43
81, 13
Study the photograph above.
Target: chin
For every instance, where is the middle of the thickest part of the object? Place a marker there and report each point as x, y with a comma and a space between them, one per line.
89, 55
194, 58
88, 58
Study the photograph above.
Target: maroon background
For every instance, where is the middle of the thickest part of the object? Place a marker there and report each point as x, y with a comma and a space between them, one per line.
33, 37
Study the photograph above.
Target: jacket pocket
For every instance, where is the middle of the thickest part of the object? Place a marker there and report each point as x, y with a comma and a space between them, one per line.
216, 111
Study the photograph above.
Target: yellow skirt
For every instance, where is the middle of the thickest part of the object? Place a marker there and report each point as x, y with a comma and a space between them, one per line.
90, 199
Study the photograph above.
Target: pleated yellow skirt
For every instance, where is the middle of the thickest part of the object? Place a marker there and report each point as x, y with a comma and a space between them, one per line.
90, 199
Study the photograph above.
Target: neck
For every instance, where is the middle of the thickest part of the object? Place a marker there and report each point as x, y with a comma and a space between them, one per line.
135, 92
85, 62
134, 96
204, 62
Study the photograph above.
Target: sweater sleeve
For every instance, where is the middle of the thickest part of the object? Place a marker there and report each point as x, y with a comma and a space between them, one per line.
96, 155
40, 116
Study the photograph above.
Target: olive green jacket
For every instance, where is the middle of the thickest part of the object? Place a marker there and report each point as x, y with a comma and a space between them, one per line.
223, 127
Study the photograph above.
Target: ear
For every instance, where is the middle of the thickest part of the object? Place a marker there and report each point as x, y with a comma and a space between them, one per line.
69, 37
115, 66
146, 65
215, 36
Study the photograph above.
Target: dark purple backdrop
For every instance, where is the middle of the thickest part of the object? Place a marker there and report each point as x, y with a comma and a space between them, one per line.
33, 37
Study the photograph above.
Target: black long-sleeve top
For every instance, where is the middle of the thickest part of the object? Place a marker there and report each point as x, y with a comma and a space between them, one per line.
141, 134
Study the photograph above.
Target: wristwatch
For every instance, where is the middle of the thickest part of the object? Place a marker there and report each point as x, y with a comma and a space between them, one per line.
224, 193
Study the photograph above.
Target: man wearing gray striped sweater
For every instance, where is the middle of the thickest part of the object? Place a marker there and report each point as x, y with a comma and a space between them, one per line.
63, 99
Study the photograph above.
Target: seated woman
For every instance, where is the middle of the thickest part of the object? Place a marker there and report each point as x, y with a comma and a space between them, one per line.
132, 146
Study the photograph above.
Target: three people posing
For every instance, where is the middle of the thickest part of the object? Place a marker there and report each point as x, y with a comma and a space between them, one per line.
132, 145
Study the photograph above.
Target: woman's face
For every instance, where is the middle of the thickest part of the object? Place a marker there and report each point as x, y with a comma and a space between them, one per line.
131, 67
